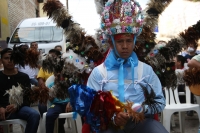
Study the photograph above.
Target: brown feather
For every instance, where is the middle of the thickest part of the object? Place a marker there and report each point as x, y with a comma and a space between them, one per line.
51, 5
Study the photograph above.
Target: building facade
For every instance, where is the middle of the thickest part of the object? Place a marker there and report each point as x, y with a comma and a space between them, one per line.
12, 12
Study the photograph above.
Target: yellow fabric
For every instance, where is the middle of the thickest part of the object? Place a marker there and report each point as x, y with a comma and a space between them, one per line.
43, 74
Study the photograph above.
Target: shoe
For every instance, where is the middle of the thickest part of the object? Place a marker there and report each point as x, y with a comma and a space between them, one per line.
190, 113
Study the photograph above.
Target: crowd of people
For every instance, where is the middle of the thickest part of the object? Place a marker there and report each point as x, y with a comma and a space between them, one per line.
188, 58
13, 74
130, 82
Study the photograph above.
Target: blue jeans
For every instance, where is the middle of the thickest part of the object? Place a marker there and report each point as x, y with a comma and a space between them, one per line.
34, 81
52, 114
30, 115
42, 109
147, 126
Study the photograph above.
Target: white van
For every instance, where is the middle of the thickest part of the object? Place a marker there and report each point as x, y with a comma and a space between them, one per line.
41, 30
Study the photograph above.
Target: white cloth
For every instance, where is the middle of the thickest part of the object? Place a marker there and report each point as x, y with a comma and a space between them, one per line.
31, 72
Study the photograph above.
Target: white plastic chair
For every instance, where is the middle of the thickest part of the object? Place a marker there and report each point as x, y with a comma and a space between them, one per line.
6, 124
173, 105
74, 125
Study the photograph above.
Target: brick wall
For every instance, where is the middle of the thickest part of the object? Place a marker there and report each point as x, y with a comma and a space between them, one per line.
19, 10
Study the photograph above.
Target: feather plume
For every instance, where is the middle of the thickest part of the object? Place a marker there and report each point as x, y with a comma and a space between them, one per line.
15, 95
40, 94
52, 64
99, 6
69, 76
154, 8
76, 34
18, 55
191, 76
150, 98
191, 35
51, 6
32, 58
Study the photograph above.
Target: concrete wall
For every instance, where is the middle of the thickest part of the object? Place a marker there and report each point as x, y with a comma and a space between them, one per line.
19, 10
4, 23
42, 14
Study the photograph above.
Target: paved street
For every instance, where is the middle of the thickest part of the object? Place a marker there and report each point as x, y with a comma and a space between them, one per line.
191, 125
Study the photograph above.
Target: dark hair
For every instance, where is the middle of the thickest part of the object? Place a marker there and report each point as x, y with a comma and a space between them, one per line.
6, 50
33, 42
55, 51
58, 46
181, 59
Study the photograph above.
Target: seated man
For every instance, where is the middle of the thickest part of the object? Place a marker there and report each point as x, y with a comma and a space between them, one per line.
57, 106
42, 77
31, 72
9, 77
179, 63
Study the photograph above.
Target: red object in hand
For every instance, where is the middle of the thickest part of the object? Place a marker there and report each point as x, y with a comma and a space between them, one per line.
86, 128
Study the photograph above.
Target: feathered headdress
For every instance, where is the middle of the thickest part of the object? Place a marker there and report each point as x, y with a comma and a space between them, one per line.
122, 16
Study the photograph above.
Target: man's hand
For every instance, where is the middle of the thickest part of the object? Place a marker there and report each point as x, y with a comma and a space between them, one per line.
121, 118
10, 108
2, 114
68, 108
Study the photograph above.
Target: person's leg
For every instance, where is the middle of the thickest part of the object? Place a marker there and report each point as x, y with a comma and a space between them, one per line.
61, 121
52, 114
34, 81
147, 126
42, 109
30, 115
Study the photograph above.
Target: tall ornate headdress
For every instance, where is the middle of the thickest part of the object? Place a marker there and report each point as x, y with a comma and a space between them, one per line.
122, 16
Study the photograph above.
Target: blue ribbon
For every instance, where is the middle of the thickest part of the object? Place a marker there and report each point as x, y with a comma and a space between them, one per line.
112, 63
113, 41
121, 79
133, 64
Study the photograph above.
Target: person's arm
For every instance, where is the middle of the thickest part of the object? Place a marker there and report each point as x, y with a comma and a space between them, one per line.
94, 80
193, 63
154, 81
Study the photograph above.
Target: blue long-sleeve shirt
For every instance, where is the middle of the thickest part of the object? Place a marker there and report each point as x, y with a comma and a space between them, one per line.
133, 91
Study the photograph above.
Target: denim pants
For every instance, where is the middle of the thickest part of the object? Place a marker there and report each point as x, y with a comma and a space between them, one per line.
30, 115
149, 125
52, 114
42, 109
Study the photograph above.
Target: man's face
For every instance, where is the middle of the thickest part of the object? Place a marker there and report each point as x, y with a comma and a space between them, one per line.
7, 63
58, 48
177, 63
34, 46
52, 54
124, 45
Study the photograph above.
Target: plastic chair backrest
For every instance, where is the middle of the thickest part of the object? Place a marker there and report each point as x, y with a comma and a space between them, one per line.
49, 80
172, 96
188, 94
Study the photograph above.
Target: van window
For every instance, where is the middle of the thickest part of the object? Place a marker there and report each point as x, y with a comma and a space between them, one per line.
37, 34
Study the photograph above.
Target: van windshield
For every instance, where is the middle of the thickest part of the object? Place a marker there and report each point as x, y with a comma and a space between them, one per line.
37, 34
